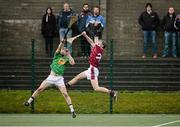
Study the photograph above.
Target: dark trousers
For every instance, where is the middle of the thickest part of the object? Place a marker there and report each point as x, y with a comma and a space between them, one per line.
178, 43
85, 46
49, 46
150, 36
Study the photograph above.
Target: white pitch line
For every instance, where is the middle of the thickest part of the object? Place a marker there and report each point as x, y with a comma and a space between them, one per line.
177, 121
82, 126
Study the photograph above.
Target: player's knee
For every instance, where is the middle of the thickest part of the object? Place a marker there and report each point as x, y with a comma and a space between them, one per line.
40, 89
96, 88
65, 95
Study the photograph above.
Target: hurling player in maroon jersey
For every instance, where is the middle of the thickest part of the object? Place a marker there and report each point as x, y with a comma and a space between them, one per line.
92, 72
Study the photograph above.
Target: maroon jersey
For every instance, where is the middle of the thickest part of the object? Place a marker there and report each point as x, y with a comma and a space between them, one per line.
95, 56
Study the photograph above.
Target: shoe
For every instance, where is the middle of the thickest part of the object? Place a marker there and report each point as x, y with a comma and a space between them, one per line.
26, 104
73, 114
115, 96
164, 56
155, 56
144, 56
67, 85
175, 56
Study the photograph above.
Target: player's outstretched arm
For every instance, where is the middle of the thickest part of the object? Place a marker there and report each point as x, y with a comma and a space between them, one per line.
91, 42
71, 59
61, 44
96, 39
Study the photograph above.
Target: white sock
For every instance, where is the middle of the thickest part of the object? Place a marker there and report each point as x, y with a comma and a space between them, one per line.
71, 108
30, 100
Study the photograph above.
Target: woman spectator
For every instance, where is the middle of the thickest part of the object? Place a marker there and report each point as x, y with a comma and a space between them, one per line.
48, 29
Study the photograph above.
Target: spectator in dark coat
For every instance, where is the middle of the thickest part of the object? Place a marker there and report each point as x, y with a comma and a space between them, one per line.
48, 29
169, 33
82, 18
177, 26
149, 21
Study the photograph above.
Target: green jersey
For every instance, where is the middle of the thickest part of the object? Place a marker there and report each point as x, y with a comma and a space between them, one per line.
58, 64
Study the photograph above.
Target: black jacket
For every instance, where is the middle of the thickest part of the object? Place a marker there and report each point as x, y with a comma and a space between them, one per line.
48, 26
168, 23
149, 21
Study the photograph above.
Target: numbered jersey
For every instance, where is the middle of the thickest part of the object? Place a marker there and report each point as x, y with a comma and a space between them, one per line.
95, 56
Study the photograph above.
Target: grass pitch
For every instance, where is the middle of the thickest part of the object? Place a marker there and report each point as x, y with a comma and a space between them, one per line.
87, 102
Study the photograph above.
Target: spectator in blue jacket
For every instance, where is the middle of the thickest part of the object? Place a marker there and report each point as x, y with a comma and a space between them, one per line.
82, 18
149, 21
63, 21
169, 33
177, 26
95, 23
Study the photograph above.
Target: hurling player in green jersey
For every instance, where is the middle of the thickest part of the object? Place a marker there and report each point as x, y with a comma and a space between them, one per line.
61, 58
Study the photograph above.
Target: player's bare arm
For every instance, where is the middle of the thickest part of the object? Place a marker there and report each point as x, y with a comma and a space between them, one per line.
61, 45
71, 59
96, 39
91, 42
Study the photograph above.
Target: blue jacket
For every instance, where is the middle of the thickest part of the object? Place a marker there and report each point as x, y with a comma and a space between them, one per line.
82, 18
63, 18
93, 19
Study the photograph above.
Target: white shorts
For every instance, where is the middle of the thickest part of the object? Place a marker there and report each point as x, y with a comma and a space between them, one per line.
55, 80
92, 73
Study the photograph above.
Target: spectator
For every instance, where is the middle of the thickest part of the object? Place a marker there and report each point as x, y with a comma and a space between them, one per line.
95, 24
169, 32
82, 18
48, 29
63, 22
149, 21
177, 26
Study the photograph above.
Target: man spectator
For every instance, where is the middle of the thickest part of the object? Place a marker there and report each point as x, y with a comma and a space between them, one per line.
95, 24
149, 21
63, 22
82, 18
169, 32
177, 26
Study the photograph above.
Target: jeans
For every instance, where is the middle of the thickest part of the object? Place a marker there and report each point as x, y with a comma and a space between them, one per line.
85, 46
62, 32
150, 36
49, 46
169, 37
178, 44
